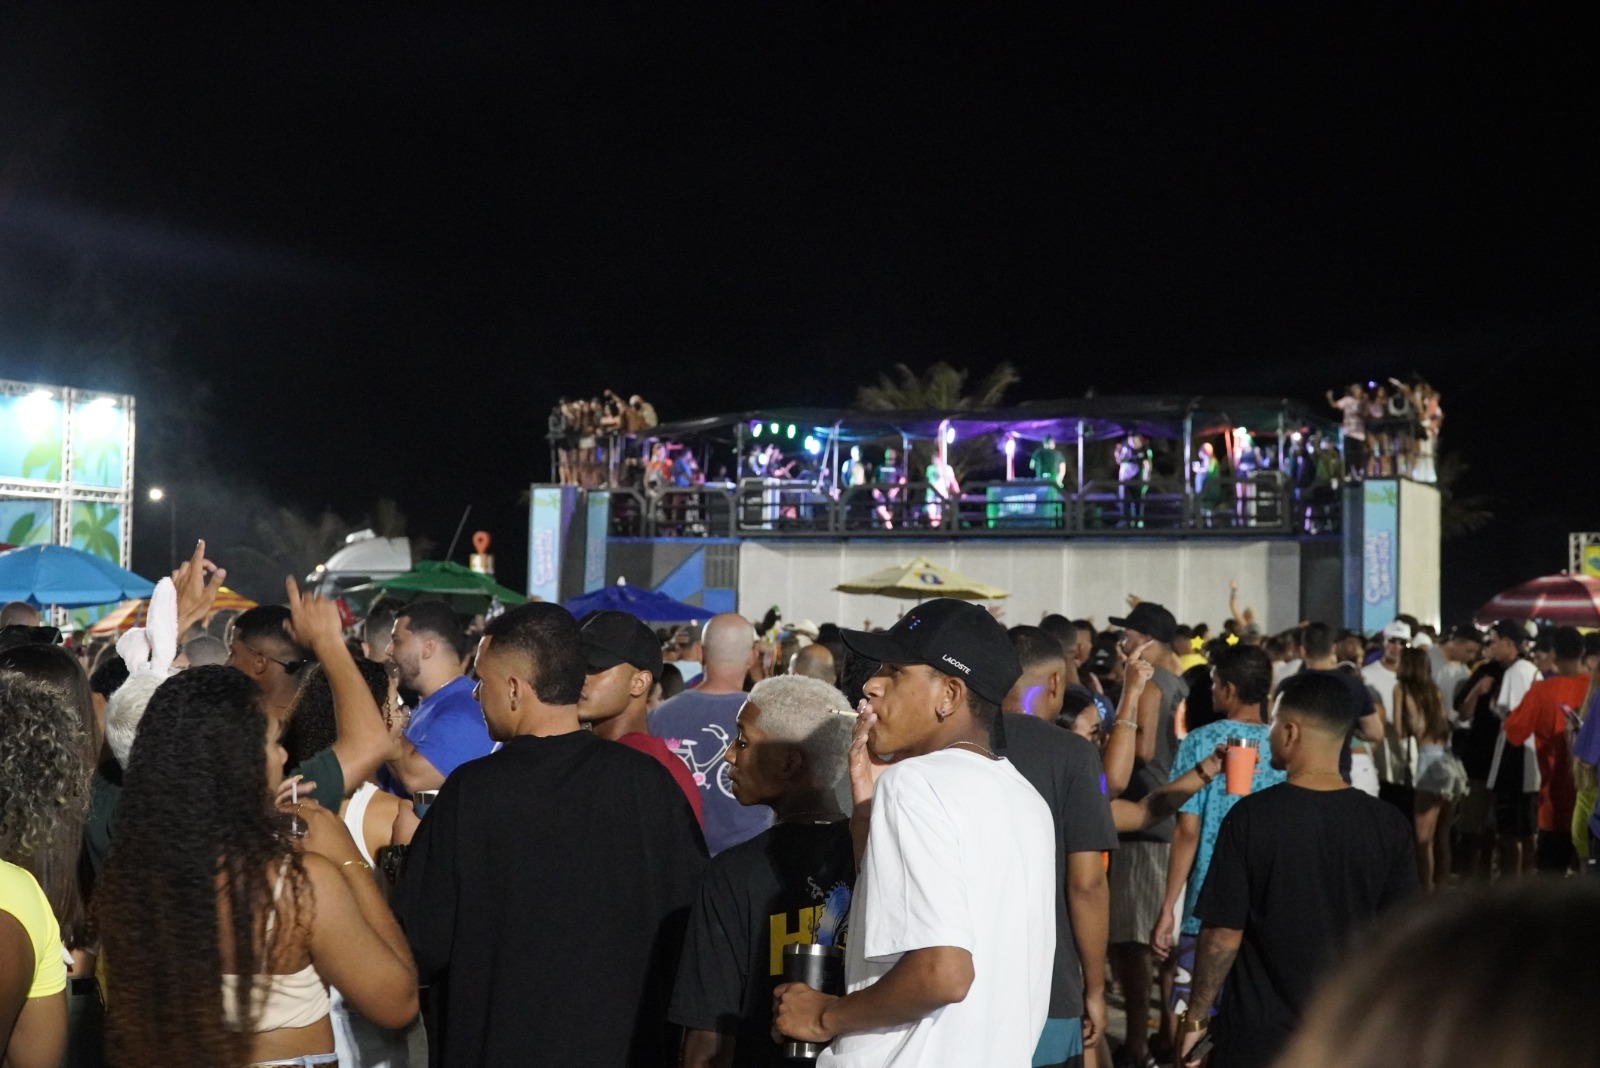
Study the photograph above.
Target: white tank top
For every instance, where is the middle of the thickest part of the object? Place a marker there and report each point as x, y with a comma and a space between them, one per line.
355, 814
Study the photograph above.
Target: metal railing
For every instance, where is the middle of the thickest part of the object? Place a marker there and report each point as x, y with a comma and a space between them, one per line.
1261, 504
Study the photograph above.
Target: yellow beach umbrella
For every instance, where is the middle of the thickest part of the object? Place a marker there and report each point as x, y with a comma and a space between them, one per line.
921, 579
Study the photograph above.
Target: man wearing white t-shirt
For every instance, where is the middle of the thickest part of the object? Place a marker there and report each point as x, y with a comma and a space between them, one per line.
1381, 677
952, 931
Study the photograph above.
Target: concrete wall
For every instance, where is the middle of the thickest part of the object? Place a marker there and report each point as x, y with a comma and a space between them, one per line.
1080, 577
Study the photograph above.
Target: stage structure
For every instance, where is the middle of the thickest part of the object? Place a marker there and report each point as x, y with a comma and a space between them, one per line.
66, 468
1069, 505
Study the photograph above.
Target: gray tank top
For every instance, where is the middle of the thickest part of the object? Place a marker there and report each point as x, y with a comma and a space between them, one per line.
1150, 775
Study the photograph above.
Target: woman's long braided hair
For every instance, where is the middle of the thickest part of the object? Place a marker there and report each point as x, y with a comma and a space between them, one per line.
195, 825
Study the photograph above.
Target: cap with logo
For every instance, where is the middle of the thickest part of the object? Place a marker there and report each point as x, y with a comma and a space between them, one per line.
956, 637
1149, 618
610, 638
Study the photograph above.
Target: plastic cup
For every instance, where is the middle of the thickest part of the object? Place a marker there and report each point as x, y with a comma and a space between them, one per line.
421, 799
1239, 763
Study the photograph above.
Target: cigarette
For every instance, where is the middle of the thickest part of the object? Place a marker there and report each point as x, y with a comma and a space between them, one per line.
294, 790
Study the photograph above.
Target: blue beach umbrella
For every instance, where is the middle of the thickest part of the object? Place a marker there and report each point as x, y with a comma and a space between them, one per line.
44, 575
647, 605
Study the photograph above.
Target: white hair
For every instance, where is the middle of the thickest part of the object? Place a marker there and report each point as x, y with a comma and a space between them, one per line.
812, 715
124, 710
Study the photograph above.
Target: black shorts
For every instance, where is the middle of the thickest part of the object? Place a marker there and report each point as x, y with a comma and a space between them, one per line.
1516, 815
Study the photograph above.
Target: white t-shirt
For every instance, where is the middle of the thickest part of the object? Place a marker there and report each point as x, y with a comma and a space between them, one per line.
1382, 680
961, 853
1514, 686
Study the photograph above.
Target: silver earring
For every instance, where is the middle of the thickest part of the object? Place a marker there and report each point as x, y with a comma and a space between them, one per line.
942, 716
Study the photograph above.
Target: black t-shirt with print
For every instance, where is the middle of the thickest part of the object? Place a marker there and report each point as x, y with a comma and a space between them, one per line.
790, 883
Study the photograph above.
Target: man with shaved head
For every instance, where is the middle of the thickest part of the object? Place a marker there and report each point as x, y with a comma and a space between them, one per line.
698, 724
815, 662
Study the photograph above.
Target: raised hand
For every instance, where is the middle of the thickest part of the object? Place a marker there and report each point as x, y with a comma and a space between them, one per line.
197, 581
1136, 670
313, 621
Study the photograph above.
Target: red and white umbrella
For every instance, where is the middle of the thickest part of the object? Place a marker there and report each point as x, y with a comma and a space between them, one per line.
1566, 600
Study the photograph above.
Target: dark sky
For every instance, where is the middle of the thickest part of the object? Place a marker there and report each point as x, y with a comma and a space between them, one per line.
348, 256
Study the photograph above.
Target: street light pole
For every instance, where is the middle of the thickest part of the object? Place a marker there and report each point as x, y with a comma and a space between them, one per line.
157, 494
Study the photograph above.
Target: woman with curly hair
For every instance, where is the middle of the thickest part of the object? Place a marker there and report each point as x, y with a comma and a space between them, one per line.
43, 785
220, 931
313, 726
58, 763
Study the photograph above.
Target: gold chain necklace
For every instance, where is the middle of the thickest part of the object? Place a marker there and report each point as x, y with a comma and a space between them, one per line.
973, 746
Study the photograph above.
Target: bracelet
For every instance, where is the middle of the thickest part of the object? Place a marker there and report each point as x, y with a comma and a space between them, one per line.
1187, 1026
1200, 770
1131, 724
367, 867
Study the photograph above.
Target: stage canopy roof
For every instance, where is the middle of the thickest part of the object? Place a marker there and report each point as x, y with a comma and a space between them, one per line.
1100, 418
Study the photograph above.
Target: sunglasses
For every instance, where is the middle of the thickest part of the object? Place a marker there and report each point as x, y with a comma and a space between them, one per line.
290, 667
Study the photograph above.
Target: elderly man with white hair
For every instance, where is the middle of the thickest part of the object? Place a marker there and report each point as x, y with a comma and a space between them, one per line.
791, 883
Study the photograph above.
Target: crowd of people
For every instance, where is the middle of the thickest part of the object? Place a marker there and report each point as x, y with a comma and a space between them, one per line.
590, 439
585, 842
1390, 429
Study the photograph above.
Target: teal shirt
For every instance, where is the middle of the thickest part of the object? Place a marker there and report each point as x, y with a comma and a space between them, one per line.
1213, 801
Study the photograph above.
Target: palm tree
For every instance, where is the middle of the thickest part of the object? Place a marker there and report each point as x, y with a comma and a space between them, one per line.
1459, 513
939, 388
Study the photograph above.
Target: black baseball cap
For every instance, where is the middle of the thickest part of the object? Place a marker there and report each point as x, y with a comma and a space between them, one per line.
611, 638
1510, 628
956, 637
1149, 618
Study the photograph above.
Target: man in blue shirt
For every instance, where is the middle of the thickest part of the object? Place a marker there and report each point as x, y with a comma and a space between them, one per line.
446, 728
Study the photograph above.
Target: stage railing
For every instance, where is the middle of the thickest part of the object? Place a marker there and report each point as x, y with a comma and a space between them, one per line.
1263, 503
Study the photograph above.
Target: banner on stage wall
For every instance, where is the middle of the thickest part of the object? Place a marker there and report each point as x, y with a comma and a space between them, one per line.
550, 515
1380, 563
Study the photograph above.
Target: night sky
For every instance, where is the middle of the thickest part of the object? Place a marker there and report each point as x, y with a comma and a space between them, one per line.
350, 256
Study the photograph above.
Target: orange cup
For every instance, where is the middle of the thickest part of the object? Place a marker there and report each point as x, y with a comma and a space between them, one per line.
1239, 762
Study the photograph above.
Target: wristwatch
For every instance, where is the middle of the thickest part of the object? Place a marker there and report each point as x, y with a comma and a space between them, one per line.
1187, 1026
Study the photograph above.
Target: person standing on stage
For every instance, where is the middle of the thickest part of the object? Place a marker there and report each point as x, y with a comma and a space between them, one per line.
1047, 463
1133, 477
953, 928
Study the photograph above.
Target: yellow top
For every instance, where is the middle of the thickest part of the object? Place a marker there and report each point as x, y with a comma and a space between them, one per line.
21, 897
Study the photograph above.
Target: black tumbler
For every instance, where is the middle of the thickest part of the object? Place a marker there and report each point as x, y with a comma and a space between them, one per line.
822, 969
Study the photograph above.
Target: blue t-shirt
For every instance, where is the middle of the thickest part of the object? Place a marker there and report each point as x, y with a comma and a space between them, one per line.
1213, 800
448, 728
698, 727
